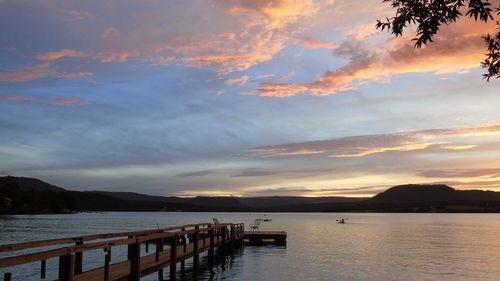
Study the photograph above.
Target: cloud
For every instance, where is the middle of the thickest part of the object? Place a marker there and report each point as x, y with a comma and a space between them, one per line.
26, 73
73, 74
318, 44
195, 174
29, 73
76, 14
473, 184
314, 192
50, 56
244, 52
237, 80
455, 49
67, 102
15, 98
358, 146
58, 101
260, 33
460, 173
120, 56
255, 173
264, 173
109, 32
278, 13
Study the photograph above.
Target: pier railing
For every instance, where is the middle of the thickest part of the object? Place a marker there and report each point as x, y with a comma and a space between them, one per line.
186, 241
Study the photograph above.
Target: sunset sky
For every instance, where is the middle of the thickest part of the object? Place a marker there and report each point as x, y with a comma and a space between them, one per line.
241, 97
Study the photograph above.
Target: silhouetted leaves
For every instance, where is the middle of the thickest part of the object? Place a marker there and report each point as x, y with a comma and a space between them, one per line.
429, 15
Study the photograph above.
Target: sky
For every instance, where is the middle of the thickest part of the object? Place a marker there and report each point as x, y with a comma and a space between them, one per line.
241, 97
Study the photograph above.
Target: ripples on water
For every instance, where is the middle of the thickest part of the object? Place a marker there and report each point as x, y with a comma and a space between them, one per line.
369, 247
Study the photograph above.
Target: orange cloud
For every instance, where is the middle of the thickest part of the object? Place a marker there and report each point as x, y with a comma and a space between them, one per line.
76, 14
15, 98
358, 146
29, 73
109, 32
461, 173
241, 53
237, 80
278, 13
261, 33
26, 73
457, 48
67, 102
318, 44
58, 101
74, 74
120, 56
49, 56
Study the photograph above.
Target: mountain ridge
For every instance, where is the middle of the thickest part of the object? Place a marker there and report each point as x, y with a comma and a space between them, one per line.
29, 195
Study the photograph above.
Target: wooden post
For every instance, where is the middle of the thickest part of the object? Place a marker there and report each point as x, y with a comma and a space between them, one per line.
184, 245
147, 246
79, 258
66, 267
130, 250
173, 258
196, 256
134, 254
159, 249
43, 269
7, 276
184, 241
232, 235
224, 235
107, 259
211, 249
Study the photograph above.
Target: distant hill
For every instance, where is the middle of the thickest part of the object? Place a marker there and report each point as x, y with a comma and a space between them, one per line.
28, 184
20, 195
418, 193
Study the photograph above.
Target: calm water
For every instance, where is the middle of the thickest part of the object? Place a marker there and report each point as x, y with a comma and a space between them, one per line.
369, 247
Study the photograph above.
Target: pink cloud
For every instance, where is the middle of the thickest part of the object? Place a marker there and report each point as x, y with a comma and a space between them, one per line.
461, 173
75, 14
15, 98
457, 48
120, 56
57, 101
29, 73
318, 44
55, 55
358, 146
237, 80
67, 102
74, 74
109, 32
26, 73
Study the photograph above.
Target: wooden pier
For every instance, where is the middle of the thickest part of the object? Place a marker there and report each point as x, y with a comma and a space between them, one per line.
183, 242
265, 237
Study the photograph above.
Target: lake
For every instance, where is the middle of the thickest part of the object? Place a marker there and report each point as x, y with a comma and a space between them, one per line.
371, 246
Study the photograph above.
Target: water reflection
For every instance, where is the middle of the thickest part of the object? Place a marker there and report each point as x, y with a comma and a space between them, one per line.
368, 247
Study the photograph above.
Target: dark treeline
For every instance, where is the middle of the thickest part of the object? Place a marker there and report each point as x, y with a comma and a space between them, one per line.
31, 196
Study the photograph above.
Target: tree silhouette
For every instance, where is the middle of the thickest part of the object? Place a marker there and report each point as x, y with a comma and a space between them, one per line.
429, 15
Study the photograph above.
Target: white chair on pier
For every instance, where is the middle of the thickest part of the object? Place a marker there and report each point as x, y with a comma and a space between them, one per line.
255, 225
